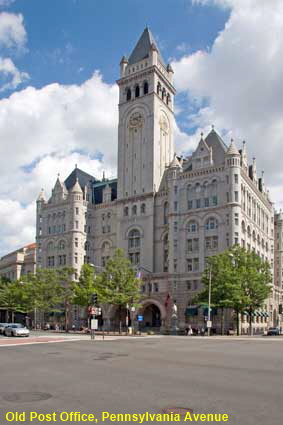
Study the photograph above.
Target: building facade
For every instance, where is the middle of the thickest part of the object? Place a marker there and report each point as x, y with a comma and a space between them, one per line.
15, 265
168, 213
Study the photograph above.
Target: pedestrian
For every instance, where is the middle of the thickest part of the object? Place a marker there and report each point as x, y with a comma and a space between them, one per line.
190, 331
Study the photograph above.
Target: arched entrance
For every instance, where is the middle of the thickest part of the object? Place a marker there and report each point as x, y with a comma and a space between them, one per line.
152, 316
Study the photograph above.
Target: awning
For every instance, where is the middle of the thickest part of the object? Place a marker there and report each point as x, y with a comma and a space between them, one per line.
191, 311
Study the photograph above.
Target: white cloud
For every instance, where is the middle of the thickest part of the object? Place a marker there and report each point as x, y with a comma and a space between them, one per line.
10, 72
6, 2
239, 80
12, 30
52, 129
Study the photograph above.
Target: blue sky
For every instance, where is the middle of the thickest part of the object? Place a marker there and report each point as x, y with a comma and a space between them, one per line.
59, 60
68, 39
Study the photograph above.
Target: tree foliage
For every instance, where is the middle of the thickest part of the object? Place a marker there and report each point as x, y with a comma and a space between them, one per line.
118, 284
240, 279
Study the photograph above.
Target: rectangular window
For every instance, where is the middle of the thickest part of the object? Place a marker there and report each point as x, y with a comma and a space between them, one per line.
175, 190
189, 264
227, 197
77, 211
196, 264
77, 224
190, 205
175, 206
236, 196
236, 178
189, 285
190, 245
175, 226
214, 201
76, 242
198, 203
206, 202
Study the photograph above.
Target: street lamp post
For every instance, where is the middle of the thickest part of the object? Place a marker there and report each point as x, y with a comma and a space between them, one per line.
208, 323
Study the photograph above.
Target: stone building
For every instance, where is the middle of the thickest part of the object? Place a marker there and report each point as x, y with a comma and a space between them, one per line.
15, 265
18, 263
167, 212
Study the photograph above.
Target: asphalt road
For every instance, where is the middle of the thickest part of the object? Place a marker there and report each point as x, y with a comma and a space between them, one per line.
240, 378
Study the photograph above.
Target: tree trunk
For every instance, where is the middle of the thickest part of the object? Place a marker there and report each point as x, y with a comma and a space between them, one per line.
66, 316
238, 323
222, 320
120, 320
13, 316
251, 323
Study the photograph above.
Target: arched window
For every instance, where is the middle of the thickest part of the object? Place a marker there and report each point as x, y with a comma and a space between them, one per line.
214, 185
126, 211
87, 246
142, 208
105, 253
134, 210
258, 239
50, 246
243, 227
211, 224
254, 238
134, 243
129, 94
165, 253
192, 226
163, 93
249, 231
137, 91
168, 99
134, 239
165, 213
197, 188
158, 88
145, 87
61, 245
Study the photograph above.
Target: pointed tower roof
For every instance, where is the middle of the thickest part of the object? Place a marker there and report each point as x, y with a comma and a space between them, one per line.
232, 150
81, 176
175, 163
76, 188
143, 47
41, 196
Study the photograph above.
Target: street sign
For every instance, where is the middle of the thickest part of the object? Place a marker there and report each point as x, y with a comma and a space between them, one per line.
140, 318
94, 324
209, 323
94, 310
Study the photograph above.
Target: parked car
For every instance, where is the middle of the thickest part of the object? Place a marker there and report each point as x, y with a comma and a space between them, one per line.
273, 331
2, 327
16, 329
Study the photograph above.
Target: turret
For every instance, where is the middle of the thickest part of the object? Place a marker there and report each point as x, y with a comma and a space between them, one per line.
59, 192
170, 72
123, 66
153, 54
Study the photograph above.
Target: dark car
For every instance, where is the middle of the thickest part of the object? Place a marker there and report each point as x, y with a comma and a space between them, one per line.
273, 331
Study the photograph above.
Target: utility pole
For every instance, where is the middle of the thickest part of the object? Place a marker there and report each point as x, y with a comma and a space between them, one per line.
209, 302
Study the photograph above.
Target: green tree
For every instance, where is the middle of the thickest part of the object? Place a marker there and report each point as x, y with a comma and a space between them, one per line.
118, 284
65, 276
44, 291
13, 297
85, 287
240, 280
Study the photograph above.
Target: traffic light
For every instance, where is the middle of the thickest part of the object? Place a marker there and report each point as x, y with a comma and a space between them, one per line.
94, 299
